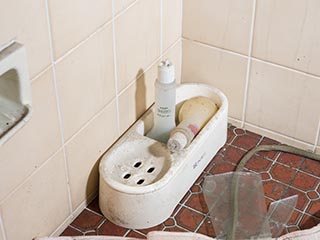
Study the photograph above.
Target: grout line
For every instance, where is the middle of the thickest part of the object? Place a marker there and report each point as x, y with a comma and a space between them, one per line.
115, 66
248, 71
317, 140
2, 230
161, 29
297, 141
223, 50
38, 75
117, 15
58, 105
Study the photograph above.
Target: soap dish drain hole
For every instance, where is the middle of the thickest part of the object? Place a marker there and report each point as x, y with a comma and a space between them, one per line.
140, 181
150, 170
127, 176
137, 164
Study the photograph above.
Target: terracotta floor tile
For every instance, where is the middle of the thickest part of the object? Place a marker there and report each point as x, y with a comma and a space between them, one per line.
302, 197
91, 233
110, 229
87, 220
246, 142
174, 229
296, 215
233, 154
258, 164
290, 160
189, 219
269, 154
277, 177
282, 173
313, 195
222, 168
230, 134
311, 166
305, 182
314, 208
274, 189
292, 229
159, 227
69, 231
135, 234
170, 222
206, 228
197, 202
94, 206
308, 222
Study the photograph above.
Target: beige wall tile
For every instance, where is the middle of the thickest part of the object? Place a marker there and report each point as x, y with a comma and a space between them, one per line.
137, 39
84, 150
120, 5
175, 54
35, 142
283, 101
137, 98
224, 24
40, 204
134, 101
172, 22
223, 70
27, 23
73, 21
287, 32
86, 80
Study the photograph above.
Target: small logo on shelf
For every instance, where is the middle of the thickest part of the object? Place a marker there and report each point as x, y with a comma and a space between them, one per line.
196, 164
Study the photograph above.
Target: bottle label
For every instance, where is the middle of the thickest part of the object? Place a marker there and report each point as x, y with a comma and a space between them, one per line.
163, 112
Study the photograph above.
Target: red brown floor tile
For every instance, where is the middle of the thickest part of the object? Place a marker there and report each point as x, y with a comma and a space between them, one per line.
189, 219
87, 220
283, 175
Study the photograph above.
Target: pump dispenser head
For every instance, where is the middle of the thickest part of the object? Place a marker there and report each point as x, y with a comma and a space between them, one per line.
166, 72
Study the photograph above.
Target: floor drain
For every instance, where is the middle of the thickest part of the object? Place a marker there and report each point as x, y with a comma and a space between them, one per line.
137, 164
127, 176
150, 170
140, 181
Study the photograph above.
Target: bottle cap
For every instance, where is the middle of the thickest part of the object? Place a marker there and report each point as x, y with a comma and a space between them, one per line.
166, 72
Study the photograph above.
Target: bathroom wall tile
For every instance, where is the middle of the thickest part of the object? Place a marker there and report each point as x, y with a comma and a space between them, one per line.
40, 204
35, 142
283, 101
84, 150
224, 24
73, 21
86, 80
137, 39
172, 22
221, 69
120, 5
287, 33
27, 23
175, 54
137, 98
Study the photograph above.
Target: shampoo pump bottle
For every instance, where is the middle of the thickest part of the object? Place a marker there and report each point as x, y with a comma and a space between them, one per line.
165, 102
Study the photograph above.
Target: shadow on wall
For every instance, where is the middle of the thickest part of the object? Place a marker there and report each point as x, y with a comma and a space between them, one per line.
140, 95
140, 108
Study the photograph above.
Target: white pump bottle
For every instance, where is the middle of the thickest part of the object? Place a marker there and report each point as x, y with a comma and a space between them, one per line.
165, 101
